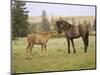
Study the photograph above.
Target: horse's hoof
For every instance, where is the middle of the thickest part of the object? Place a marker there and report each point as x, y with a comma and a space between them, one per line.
74, 52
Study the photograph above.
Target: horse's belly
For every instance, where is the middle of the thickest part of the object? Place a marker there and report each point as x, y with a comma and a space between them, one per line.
73, 34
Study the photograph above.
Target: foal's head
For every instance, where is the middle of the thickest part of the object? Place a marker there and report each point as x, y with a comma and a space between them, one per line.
54, 33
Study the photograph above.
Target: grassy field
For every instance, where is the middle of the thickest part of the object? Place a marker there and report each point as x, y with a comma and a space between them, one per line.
55, 59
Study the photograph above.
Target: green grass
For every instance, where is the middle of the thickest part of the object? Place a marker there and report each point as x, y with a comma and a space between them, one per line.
55, 59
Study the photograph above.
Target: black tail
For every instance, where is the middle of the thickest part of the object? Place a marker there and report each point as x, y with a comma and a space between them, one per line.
86, 40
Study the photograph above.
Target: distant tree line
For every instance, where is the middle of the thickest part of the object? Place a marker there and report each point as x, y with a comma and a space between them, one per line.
44, 21
19, 19
21, 27
44, 26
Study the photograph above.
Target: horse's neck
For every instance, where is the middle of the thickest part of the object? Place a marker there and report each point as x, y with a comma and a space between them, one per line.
66, 26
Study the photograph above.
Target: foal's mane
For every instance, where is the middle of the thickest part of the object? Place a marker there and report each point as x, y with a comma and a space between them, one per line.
44, 33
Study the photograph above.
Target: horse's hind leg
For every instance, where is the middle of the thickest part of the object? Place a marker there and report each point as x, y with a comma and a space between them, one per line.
73, 45
86, 43
85, 40
68, 41
45, 49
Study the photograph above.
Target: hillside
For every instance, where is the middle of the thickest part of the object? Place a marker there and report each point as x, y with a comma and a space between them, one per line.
77, 19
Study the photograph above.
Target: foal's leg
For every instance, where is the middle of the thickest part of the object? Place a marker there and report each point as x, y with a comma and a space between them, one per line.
45, 47
27, 48
31, 48
42, 48
73, 45
68, 41
45, 53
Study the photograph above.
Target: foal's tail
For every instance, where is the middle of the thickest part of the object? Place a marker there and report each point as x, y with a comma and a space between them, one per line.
28, 40
28, 44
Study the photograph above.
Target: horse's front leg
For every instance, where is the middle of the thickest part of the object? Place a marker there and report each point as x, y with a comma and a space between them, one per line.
73, 45
68, 41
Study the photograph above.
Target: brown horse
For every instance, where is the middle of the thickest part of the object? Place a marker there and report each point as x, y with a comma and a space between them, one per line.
72, 32
39, 39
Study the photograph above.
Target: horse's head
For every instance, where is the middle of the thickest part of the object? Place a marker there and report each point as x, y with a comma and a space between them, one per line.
63, 25
59, 26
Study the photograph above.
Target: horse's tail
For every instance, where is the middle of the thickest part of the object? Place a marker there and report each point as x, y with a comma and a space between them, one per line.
28, 40
87, 36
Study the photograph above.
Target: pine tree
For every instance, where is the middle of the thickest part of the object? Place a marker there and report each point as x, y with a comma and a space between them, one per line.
45, 22
53, 24
19, 19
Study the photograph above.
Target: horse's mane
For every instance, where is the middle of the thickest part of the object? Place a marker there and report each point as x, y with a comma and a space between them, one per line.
66, 23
